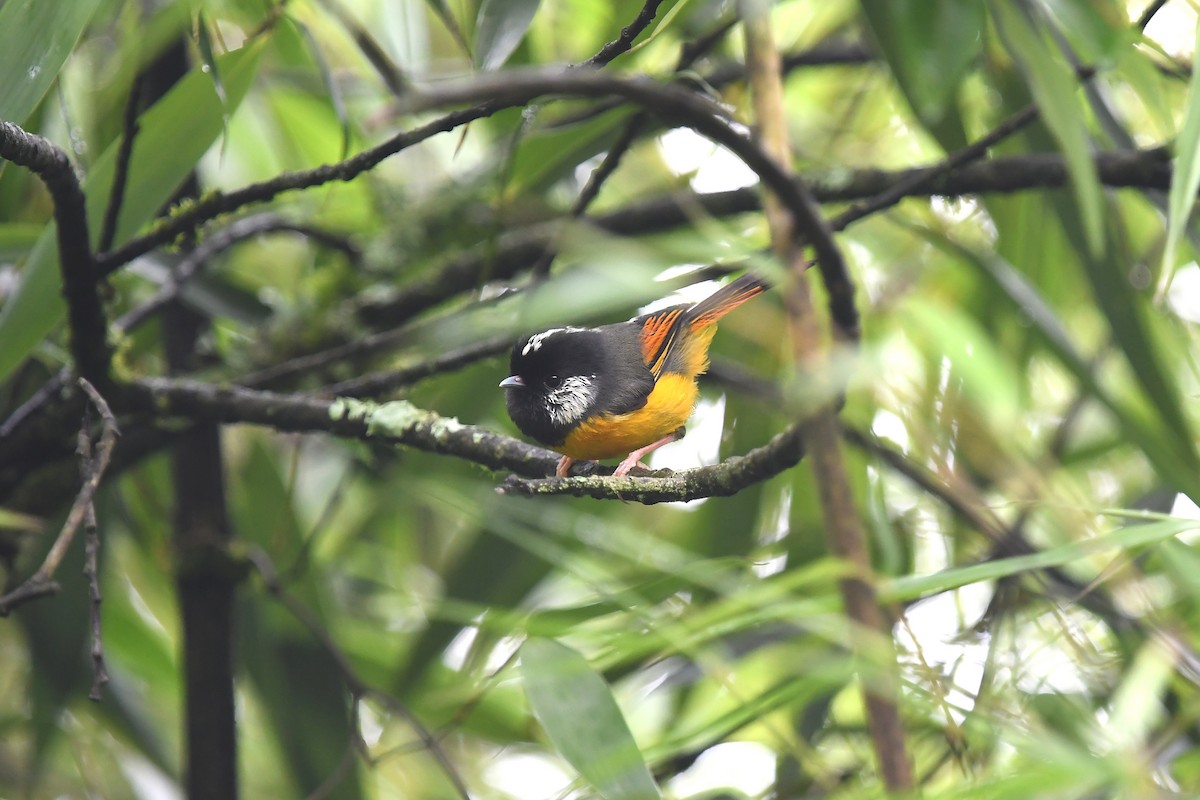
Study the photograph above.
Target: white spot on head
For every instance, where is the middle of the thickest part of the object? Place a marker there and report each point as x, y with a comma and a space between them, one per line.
535, 342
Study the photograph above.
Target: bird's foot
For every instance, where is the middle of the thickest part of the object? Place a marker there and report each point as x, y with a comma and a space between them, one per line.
564, 466
634, 459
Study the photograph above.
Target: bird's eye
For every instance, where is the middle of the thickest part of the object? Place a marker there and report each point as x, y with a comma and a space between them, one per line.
553, 382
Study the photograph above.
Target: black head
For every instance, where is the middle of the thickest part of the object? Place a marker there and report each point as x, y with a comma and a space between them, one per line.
554, 381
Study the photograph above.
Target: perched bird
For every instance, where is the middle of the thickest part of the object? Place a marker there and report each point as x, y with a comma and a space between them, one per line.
623, 389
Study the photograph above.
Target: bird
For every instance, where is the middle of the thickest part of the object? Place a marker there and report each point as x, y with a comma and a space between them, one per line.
618, 390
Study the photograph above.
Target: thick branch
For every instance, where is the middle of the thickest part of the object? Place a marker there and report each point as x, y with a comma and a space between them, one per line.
516, 251
397, 422
85, 314
401, 423
729, 477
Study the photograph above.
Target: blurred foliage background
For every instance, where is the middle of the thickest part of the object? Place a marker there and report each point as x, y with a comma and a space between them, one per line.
1020, 416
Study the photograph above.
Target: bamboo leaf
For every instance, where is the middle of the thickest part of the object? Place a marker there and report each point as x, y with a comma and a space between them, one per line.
1126, 538
35, 39
580, 717
442, 9
1185, 175
330, 84
1053, 86
1162, 446
500, 27
929, 47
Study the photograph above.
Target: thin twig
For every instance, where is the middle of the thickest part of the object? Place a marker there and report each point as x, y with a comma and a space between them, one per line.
116, 196
914, 182
91, 571
36, 401
345, 764
1149, 13
518, 88
213, 204
624, 42
41, 583
1144, 169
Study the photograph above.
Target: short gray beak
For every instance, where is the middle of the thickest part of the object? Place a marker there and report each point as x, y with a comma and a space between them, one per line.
512, 382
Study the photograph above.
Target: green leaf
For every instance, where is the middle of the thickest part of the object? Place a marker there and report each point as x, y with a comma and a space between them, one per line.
1125, 538
1185, 174
989, 379
446, 15
1053, 85
212, 67
580, 717
500, 27
18, 238
35, 39
929, 47
1171, 455
16, 521
175, 133
303, 695
330, 84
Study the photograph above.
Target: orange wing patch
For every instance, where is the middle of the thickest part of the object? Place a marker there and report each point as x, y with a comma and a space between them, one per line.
658, 331
681, 335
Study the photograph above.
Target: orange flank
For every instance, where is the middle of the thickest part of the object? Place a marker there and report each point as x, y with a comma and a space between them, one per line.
613, 435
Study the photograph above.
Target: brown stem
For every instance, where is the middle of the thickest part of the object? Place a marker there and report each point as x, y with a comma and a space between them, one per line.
844, 530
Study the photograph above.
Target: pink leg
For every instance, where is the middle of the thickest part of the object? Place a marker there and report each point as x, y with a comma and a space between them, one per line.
634, 459
564, 466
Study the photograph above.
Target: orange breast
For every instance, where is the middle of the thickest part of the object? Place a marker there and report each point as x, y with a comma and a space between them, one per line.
611, 436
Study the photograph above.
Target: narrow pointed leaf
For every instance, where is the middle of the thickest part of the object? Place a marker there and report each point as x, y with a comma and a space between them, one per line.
35, 39
442, 9
330, 84
580, 717
204, 39
929, 47
501, 26
1053, 86
1131, 537
1185, 176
